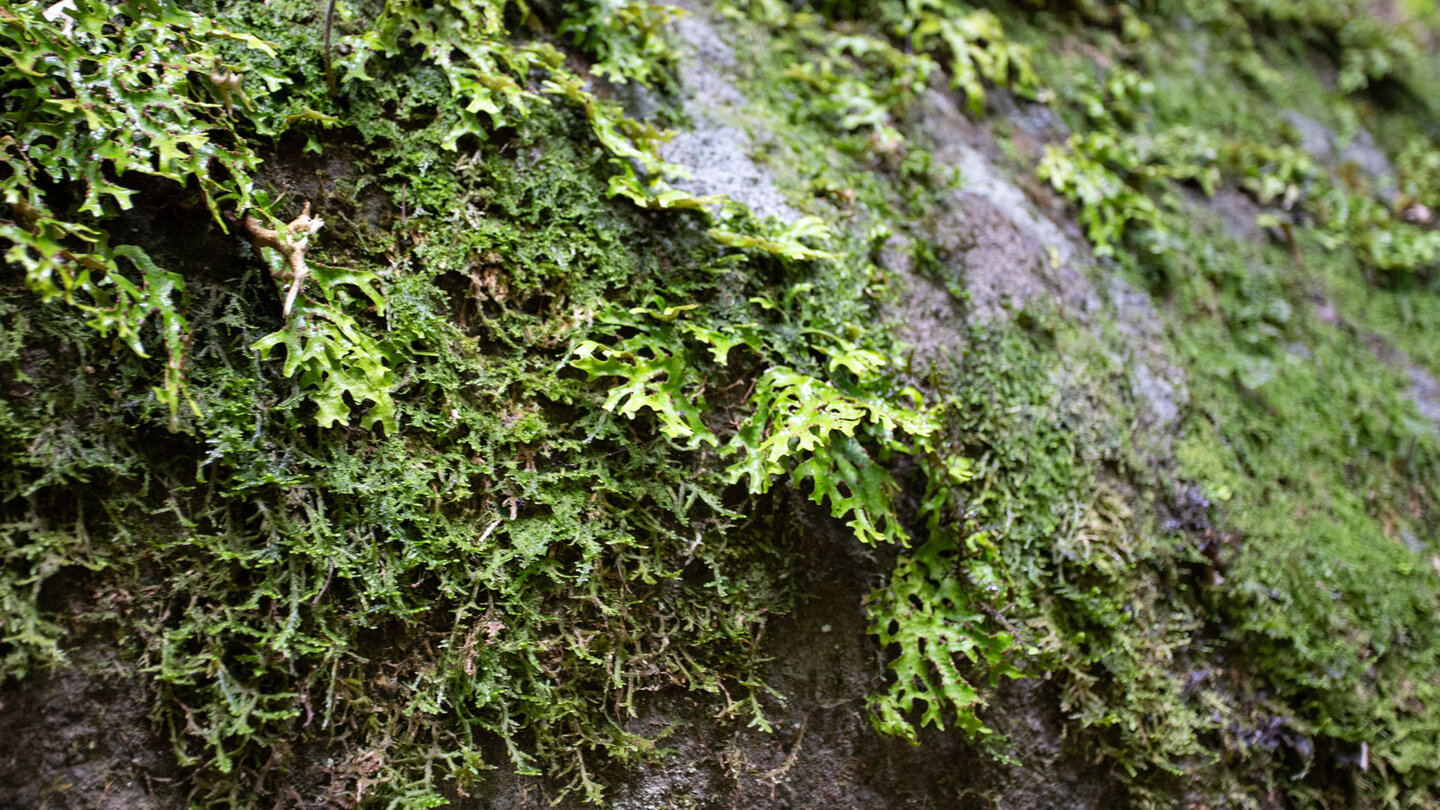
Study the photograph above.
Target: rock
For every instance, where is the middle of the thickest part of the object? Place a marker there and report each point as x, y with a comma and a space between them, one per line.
1360, 152
715, 150
77, 738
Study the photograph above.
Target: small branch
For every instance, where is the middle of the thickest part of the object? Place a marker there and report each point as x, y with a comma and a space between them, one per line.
227, 85
292, 242
329, 21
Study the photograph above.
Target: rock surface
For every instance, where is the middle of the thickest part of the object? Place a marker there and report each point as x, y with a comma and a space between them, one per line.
78, 738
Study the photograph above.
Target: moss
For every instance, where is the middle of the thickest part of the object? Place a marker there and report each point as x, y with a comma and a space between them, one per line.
1328, 478
1310, 447
1314, 473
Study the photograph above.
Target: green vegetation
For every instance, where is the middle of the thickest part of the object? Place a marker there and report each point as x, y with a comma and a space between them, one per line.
408, 500
405, 420
1322, 610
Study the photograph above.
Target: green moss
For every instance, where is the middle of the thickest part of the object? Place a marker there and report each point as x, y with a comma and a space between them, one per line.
1329, 479
1309, 442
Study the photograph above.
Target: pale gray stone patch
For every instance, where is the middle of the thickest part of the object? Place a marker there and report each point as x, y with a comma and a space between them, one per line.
1361, 151
1160, 395
716, 151
1425, 390
1007, 255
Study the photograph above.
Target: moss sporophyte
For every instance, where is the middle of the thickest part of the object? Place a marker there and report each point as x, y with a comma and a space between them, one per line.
513, 441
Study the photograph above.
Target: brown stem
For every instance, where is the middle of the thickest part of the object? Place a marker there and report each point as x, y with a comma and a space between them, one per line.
291, 243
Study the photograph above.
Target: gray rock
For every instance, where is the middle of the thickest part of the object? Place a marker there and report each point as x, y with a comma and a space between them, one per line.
715, 150
1160, 396
1019, 255
1361, 152
1315, 137
1425, 390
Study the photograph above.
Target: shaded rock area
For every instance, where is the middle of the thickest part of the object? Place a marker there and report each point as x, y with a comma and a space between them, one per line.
1426, 391
1358, 151
78, 738
1012, 254
822, 753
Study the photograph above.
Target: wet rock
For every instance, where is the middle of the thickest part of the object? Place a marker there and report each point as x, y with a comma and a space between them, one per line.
1315, 137
958, 143
928, 319
717, 157
1002, 268
1161, 395
1362, 153
824, 753
1036, 122
1238, 211
1009, 256
1425, 390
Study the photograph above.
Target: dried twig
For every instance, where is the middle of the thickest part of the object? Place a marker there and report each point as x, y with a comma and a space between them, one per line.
292, 242
329, 23
227, 85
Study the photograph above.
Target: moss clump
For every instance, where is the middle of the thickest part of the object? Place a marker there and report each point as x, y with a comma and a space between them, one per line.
1284, 590
1303, 433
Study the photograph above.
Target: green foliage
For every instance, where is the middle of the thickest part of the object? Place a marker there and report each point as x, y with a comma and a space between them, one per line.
490, 72
866, 80
1419, 167
1313, 446
1368, 46
478, 533
627, 38
530, 561
1108, 204
1327, 596
1370, 49
972, 45
656, 368
812, 428
591, 384
1381, 240
937, 611
1121, 169
467, 41
1037, 552
1273, 175
336, 359
92, 96
1287, 437
783, 241
796, 416
862, 81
